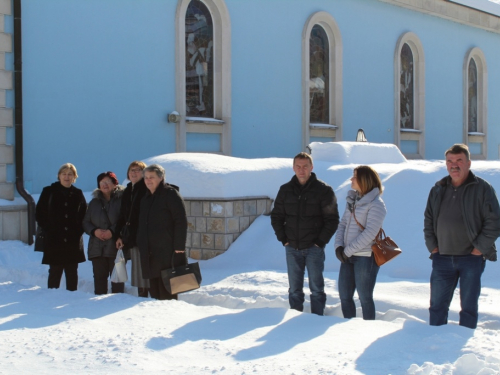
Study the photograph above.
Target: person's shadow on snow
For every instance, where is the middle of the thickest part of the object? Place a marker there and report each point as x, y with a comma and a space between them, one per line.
39, 307
415, 343
297, 330
219, 327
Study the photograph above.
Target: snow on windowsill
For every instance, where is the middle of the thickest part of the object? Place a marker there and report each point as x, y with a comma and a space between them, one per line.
410, 131
476, 133
204, 120
323, 126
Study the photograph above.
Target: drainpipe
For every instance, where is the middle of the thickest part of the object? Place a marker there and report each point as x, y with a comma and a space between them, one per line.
18, 121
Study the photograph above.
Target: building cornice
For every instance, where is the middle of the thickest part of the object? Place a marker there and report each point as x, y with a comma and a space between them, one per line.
452, 12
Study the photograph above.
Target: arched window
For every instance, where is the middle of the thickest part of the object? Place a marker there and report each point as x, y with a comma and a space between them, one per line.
409, 96
199, 61
321, 80
319, 64
406, 80
475, 102
203, 76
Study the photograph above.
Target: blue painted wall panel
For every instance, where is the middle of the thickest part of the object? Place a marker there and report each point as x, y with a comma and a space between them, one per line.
99, 79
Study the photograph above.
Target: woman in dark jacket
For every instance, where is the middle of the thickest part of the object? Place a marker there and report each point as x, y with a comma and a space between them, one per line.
162, 230
59, 212
100, 224
126, 229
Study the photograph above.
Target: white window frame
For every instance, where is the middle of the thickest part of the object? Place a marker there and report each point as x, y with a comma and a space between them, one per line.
221, 123
481, 136
418, 132
334, 127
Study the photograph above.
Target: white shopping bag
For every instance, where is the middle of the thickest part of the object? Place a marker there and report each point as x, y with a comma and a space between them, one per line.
119, 274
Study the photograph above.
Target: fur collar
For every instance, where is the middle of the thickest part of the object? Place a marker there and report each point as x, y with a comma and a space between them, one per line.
117, 193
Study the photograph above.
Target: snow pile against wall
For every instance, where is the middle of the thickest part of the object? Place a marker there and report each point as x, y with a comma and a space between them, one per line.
356, 152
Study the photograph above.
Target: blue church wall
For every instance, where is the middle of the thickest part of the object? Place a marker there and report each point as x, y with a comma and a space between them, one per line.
99, 80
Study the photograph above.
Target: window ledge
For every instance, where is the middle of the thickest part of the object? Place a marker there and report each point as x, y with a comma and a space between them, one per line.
477, 134
323, 126
204, 120
410, 131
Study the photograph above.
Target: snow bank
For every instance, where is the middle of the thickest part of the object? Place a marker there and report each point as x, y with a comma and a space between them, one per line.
356, 152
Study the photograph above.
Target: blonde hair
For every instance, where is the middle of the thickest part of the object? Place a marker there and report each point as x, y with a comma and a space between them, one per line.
136, 163
66, 166
367, 179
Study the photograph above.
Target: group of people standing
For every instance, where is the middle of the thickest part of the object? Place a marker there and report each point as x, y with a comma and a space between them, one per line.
147, 220
462, 223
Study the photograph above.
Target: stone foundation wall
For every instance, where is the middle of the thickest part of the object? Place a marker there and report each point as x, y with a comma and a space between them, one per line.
214, 223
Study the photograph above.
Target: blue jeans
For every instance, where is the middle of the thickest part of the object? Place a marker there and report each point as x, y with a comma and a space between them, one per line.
297, 260
447, 270
360, 274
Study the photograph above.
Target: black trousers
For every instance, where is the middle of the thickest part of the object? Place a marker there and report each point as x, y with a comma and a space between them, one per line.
158, 291
70, 272
103, 267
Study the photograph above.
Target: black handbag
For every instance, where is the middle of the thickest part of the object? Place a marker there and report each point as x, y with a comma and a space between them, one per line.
39, 239
182, 278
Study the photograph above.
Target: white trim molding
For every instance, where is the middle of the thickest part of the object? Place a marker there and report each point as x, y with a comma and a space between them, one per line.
481, 135
418, 132
222, 77
453, 12
326, 21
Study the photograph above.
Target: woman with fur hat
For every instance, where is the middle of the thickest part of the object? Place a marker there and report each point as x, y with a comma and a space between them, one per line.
100, 224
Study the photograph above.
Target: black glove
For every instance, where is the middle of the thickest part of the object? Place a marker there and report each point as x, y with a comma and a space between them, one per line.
339, 252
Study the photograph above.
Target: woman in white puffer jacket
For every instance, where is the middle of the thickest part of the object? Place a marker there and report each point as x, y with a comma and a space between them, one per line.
363, 217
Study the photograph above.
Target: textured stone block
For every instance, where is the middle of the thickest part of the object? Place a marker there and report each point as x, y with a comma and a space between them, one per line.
3, 173
6, 154
235, 236
210, 254
11, 223
207, 241
3, 94
196, 208
206, 208
187, 206
3, 135
244, 223
250, 208
233, 225
6, 81
191, 224
252, 218
269, 203
195, 254
6, 116
238, 208
201, 224
5, 7
223, 241
261, 206
5, 42
216, 225
7, 191
188, 240
195, 240
221, 209
24, 226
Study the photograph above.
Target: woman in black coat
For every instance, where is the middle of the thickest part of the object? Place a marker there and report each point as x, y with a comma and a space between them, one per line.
162, 231
59, 212
126, 228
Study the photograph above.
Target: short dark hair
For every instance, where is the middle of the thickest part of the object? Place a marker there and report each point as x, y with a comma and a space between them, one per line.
458, 148
303, 155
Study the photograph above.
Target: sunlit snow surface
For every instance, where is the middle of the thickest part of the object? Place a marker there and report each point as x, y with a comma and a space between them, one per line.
239, 321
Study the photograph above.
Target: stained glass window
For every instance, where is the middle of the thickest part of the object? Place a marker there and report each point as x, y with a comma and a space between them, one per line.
319, 76
472, 97
199, 61
406, 88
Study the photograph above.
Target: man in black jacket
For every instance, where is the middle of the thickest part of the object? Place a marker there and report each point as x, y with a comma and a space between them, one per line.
304, 218
462, 222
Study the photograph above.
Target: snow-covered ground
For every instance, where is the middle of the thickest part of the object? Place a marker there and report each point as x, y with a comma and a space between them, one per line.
239, 321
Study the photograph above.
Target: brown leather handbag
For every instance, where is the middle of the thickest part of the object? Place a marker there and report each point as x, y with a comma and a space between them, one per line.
384, 248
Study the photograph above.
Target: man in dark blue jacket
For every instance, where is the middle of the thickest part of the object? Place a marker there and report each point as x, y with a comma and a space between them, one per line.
304, 218
462, 223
